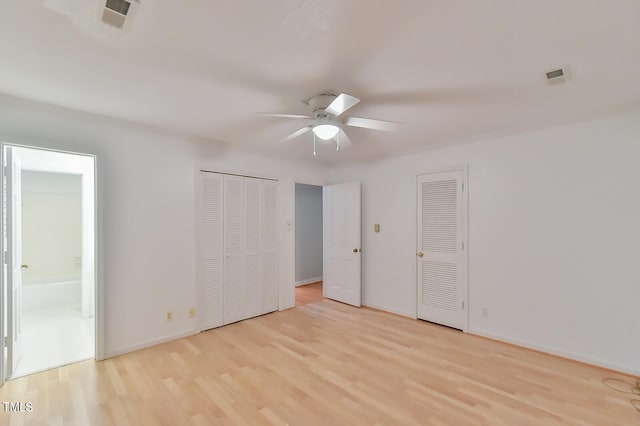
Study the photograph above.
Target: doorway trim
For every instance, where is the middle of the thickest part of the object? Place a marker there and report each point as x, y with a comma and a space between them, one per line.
98, 290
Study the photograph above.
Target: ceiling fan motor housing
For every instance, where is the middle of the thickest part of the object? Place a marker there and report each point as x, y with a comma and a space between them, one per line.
319, 103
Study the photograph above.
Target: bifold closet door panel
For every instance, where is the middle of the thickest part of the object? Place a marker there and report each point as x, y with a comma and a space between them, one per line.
211, 249
252, 236
269, 246
235, 287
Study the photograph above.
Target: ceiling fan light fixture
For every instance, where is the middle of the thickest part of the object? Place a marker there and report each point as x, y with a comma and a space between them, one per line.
326, 131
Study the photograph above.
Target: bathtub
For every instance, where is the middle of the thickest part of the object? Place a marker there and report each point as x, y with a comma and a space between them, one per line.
54, 292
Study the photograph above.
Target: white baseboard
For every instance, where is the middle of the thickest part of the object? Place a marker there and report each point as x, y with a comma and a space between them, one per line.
391, 311
557, 352
285, 307
151, 342
308, 281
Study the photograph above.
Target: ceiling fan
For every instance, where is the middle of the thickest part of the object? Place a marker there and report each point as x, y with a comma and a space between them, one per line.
326, 111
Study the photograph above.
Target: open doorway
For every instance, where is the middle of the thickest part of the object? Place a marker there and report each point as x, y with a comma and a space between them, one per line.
308, 244
49, 278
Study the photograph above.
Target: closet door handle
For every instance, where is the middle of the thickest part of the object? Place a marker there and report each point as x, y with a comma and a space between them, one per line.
420, 254
24, 266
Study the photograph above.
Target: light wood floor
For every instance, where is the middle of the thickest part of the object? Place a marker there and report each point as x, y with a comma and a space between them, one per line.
324, 363
309, 293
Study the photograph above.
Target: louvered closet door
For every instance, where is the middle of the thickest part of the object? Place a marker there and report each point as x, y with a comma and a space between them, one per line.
235, 286
441, 260
252, 218
269, 246
212, 253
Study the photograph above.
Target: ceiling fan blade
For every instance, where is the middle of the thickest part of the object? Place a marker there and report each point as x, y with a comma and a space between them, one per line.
369, 123
341, 104
296, 133
343, 140
269, 114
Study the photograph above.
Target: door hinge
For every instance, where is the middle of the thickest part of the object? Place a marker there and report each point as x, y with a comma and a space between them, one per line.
462, 186
463, 304
6, 341
463, 245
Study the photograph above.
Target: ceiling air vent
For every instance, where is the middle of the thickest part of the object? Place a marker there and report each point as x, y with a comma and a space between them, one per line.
556, 76
115, 12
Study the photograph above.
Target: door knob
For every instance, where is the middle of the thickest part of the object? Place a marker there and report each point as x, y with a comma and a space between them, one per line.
355, 250
25, 266
420, 254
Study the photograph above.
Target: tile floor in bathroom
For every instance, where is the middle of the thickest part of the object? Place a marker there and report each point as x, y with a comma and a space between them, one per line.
53, 337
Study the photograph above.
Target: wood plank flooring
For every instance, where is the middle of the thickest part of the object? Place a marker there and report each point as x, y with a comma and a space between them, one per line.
309, 293
324, 363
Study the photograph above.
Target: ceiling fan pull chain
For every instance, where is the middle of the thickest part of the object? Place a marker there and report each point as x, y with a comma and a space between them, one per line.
338, 142
314, 144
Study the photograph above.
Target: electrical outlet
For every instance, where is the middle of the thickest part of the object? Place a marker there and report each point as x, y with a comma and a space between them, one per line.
169, 316
192, 312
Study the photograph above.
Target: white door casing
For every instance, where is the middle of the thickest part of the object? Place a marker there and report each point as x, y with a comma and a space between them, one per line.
342, 242
441, 253
14, 260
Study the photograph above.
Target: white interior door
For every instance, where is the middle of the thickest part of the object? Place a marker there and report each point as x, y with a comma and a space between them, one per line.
14, 260
341, 235
442, 261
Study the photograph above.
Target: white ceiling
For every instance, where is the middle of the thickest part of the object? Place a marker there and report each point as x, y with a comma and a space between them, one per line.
448, 70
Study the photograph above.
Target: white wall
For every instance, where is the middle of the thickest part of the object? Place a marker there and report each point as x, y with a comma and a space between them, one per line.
553, 237
308, 227
553, 227
147, 202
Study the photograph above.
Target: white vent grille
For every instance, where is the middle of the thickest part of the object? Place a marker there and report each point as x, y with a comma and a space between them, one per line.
113, 19
557, 76
440, 216
118, 14
119, 6
439, 285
